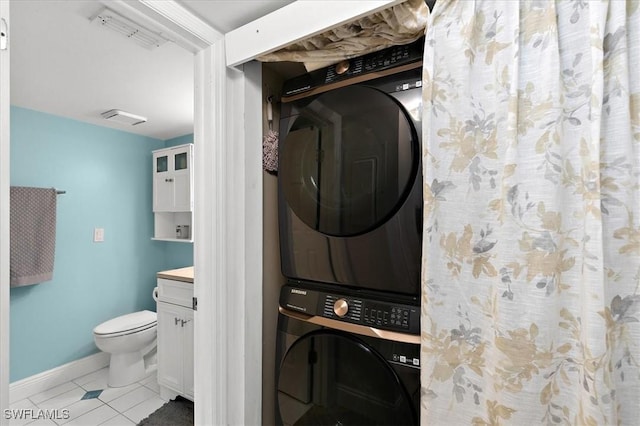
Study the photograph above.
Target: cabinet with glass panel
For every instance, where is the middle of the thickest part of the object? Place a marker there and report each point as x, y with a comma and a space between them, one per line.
173, 193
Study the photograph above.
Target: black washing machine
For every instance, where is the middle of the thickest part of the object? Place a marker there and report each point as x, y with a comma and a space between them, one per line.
346, 359
350, 174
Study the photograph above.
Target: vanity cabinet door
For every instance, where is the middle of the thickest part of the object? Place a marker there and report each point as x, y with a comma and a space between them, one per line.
188, 383
170, 346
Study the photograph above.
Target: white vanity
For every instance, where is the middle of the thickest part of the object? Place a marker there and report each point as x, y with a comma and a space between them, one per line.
174, 297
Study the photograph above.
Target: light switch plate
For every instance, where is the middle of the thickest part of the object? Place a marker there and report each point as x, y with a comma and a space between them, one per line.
98, 235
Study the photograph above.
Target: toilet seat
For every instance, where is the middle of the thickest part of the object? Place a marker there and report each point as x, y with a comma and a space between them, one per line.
127, 324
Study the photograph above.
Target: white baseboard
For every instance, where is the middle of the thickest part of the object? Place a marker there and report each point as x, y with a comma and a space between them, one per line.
56, 376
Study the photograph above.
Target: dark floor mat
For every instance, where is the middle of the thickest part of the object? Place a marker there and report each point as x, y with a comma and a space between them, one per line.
178, 412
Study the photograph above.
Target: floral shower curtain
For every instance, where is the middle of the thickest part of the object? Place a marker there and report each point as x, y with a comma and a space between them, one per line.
531, 269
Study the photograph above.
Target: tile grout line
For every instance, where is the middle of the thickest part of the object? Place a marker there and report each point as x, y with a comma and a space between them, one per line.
100, 406
122, 412
148, 384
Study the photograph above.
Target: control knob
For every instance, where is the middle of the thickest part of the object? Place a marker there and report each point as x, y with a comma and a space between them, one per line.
341, 307
342, 67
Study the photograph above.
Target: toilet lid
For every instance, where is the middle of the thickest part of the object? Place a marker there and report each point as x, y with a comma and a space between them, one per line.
127, 322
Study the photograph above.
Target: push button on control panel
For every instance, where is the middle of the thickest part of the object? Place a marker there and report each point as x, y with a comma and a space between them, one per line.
400, 317
386, 315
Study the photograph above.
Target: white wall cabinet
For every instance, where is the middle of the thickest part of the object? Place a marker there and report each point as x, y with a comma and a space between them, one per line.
173, 193
175, 338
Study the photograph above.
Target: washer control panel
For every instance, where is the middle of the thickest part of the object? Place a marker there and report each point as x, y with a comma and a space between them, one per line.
364, 311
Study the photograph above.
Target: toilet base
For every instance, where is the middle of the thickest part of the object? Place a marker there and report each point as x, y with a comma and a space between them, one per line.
125, 369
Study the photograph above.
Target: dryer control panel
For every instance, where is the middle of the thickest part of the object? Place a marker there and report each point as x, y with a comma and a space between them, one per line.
372, 63
355, 309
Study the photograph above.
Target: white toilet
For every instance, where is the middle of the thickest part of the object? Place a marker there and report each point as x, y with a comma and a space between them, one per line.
131, 341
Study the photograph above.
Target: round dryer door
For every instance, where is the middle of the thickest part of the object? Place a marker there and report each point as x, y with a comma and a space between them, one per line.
330, 378
348, 161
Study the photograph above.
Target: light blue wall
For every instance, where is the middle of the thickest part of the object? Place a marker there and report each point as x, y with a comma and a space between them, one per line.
106, 174
180, 140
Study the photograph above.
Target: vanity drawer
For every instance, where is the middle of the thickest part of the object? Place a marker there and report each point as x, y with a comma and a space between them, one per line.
176, 292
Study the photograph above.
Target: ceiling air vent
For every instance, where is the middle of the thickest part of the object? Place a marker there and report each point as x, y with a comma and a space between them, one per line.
146, 38
117, 116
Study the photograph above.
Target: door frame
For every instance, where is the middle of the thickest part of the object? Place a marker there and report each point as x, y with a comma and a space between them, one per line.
4, 218
228, 247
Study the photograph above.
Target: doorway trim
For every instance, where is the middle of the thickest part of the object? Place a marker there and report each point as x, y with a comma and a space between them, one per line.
4, 216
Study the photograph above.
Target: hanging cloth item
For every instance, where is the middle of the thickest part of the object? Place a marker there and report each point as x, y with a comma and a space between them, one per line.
531, 256
270, 143
32, 235
401, 24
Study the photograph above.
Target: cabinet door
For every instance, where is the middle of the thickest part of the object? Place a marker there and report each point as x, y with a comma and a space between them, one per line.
172, 179
182, 179
163, 186
188, 354
170, 346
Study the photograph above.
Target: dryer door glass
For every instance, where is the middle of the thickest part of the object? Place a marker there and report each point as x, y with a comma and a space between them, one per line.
348, 161
329, 378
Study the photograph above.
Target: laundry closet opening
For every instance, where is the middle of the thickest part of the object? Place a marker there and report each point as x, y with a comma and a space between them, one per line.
346, 199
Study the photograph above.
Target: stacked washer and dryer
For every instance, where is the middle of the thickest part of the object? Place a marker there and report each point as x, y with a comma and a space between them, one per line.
350, 215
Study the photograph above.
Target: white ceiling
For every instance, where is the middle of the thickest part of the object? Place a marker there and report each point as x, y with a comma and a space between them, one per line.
62, 64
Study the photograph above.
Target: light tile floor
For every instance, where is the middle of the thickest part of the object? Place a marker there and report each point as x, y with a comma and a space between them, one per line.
114, 406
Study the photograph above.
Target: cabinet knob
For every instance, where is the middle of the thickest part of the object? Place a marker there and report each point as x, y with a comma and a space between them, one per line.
184, 322
176, 319
168, 180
